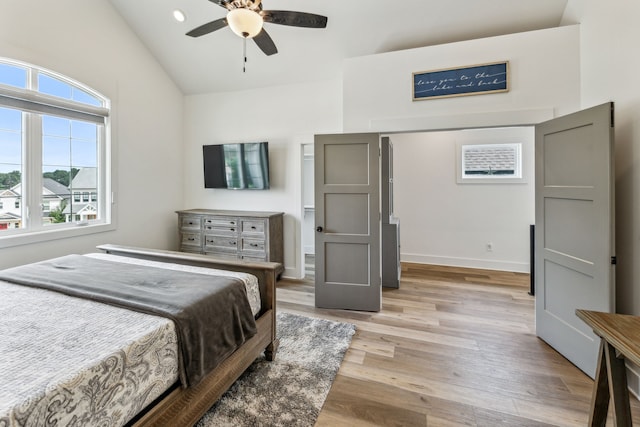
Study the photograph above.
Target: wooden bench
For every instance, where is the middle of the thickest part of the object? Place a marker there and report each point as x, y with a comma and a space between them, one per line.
620, 335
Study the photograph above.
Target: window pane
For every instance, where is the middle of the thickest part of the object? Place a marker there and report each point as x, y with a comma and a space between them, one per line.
13, 76
83, 130
83, 153
55, 195
10, 139
490, 160
55, 126
52, 86
84, 144
10, 169
69, 143
10, 150
10, 119
70, 150
83, 206
56, 151
82, 96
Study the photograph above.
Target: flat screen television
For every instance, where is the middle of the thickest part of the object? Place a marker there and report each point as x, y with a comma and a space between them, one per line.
239, 166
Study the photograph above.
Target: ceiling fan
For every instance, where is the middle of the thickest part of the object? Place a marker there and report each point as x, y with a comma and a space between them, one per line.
246, 18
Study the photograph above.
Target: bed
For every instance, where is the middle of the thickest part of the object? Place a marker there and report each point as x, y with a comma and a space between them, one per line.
165, 394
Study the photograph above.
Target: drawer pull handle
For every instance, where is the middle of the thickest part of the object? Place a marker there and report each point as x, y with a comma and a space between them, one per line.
233, 229
232, 242
232, 223
191, 239
253, 227
255, 245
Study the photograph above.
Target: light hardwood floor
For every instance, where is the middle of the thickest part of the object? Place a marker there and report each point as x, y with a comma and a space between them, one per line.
451, 347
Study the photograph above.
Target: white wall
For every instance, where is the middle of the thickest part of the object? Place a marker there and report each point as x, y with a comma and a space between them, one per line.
89, 42
286, 117
446, 223
610, 66
544, 81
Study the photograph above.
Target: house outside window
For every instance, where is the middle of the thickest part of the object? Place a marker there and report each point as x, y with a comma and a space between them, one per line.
489, 163
51, 129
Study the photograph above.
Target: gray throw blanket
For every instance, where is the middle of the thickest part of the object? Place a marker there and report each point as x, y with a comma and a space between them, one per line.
212, 314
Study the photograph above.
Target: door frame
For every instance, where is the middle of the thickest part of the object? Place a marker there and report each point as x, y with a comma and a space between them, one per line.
525, 118
303, 209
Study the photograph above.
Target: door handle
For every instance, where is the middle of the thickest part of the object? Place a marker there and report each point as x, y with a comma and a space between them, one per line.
319, 229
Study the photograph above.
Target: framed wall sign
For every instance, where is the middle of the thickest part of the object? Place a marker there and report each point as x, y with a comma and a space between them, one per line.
471, 80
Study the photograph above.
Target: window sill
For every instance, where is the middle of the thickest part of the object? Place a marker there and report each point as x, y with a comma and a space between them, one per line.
48, 235
505, 180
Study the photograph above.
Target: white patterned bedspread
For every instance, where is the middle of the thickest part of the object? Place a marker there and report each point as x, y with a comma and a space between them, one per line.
69, 361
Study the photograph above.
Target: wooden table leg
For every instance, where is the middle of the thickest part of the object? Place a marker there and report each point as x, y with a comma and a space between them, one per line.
600, 396
618, 387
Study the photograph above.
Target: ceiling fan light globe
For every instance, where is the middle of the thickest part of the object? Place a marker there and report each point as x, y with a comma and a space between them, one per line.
245, 22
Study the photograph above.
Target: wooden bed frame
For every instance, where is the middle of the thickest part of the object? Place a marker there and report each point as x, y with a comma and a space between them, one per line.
185, 406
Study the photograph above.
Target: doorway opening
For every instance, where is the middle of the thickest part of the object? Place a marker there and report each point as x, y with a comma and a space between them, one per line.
308, 207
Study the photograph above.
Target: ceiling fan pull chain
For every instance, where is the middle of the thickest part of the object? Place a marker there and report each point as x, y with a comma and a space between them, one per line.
244, 53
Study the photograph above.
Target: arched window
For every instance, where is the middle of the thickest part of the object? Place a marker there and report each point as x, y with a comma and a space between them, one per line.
53, 146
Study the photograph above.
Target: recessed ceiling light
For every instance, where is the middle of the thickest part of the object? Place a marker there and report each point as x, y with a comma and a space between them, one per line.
179, 15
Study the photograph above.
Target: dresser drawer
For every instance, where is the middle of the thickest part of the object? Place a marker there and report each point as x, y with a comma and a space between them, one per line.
191, 240
220, 225
221, 221
220, 243
252, 245
253, 226
224, 231
188, 222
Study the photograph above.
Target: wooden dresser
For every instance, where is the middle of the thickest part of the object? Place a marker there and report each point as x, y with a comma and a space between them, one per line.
245, 235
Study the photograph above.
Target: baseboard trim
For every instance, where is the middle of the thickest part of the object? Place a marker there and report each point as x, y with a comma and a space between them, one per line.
516, 267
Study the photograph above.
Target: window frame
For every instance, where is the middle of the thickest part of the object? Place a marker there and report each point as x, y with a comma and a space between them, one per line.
34, 105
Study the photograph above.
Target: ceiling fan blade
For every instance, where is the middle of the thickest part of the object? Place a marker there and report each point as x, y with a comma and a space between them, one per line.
265, 43
208, 27
221, 3
295, 19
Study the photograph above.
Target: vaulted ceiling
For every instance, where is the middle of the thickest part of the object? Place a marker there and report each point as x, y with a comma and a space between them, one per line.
214, 62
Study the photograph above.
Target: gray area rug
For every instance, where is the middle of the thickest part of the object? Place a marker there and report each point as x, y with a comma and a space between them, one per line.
291, 390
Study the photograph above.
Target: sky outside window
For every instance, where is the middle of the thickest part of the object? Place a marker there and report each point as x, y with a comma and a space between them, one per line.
10, 140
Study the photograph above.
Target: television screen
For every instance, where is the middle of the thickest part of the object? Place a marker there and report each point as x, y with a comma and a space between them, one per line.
236, 166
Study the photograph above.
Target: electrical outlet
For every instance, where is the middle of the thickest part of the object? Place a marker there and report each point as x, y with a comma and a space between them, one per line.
489, 247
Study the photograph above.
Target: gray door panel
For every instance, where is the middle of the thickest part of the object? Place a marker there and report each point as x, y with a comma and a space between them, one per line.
347, 213
574, 230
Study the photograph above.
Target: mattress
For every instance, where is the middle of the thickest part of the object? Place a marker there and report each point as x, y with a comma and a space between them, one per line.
79, 362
